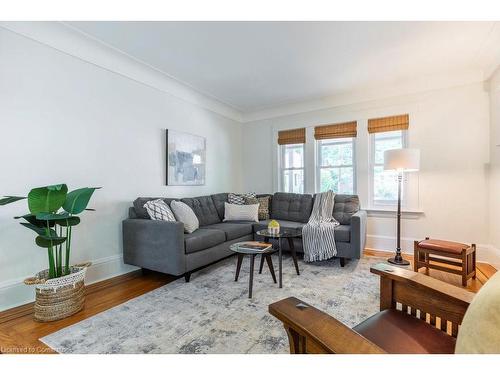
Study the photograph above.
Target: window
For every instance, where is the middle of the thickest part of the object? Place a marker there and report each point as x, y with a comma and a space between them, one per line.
335, 165
384, 184
292, 168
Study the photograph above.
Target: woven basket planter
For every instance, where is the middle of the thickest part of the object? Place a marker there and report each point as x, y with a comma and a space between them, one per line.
60, 297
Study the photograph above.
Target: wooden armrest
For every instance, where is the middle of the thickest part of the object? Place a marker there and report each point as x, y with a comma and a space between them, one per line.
438, 303
312, 331
417, 279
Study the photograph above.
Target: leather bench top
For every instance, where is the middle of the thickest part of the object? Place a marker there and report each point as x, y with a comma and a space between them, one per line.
444, 246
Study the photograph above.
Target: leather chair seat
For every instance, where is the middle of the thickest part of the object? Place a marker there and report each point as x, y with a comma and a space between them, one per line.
443, 246
400, 333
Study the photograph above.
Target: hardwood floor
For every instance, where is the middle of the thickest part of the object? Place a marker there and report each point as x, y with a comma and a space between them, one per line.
20, 334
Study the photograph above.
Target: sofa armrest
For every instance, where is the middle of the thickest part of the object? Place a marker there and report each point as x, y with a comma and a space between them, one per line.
155, 245
358, 232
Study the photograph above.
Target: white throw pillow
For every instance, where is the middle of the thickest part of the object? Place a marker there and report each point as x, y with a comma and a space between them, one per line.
185, 214
158, 210
248, 212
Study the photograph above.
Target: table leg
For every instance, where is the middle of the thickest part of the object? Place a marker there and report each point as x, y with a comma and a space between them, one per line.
266, 239
250, 283
238, 266
294, 254
280, 263
271, 267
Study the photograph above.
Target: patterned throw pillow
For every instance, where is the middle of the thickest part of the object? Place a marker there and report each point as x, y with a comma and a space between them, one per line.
185, 215
159, 210
239, 198
263, 206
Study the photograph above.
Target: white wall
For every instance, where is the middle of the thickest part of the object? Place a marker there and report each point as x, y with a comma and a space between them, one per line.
66, 120
494, 219
450, 126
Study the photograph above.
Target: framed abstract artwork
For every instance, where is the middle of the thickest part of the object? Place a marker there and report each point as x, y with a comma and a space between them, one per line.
186, 158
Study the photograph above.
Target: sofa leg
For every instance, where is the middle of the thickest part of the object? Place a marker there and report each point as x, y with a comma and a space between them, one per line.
187, 276
342, 261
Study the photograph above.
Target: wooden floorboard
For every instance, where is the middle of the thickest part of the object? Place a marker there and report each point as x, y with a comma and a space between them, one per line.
20, 334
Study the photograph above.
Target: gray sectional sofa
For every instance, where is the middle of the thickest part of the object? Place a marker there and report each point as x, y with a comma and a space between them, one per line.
163, 246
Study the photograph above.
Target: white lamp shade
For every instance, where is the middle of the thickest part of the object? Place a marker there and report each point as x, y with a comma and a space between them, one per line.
402, 160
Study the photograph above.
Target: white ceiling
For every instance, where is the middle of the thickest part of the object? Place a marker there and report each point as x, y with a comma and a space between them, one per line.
256, 65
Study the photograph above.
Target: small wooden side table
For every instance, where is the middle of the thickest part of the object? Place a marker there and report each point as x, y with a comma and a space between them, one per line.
426, 251
242, 251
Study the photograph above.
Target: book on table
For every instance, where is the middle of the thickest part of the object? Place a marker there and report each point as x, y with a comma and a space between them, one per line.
255, 246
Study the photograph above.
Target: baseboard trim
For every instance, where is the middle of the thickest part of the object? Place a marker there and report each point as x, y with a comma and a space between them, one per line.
485, 253
27, 309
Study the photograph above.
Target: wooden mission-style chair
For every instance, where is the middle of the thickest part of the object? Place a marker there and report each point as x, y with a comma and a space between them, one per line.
418, 314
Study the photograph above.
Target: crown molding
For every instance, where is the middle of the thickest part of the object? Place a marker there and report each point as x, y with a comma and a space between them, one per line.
77, 44
410, 87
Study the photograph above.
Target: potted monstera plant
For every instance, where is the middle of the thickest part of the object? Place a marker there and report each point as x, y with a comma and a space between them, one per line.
53, 212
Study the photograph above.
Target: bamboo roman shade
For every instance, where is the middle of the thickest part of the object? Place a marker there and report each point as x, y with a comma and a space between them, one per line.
343, 130
388, 124
289, 137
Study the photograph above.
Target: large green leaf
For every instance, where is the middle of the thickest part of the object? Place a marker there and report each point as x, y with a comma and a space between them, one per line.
47, 199
30, 218
49, 241
50, 216
10, 199
69, 222
77, 200
41, 231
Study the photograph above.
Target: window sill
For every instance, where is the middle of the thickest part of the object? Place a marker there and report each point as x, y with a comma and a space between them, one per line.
406, 213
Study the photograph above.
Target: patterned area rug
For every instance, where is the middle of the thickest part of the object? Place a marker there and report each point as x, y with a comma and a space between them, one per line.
213, 314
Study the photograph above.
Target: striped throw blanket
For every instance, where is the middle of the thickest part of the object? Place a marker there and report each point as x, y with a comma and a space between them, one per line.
318, 234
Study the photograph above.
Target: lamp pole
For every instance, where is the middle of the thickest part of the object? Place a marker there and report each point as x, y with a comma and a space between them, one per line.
398, 259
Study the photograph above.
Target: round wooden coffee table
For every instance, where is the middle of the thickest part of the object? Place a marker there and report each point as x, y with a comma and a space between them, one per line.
242, 251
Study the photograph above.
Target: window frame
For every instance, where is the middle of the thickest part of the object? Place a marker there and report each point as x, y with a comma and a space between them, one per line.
282, 168
319, 166
371, 171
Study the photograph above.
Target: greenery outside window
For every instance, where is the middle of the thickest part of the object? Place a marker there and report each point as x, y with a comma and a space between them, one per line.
336, 169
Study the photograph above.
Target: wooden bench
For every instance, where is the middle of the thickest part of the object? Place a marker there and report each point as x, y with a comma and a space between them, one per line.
439, 255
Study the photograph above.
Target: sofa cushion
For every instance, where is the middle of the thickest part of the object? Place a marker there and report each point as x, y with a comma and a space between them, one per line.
202, 239
219, 200
139, 203
284, 224
204, 209
233, 230
345, 206
343, 233
292, 207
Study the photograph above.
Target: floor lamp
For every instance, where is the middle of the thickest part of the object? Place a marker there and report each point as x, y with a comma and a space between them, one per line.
401, 160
